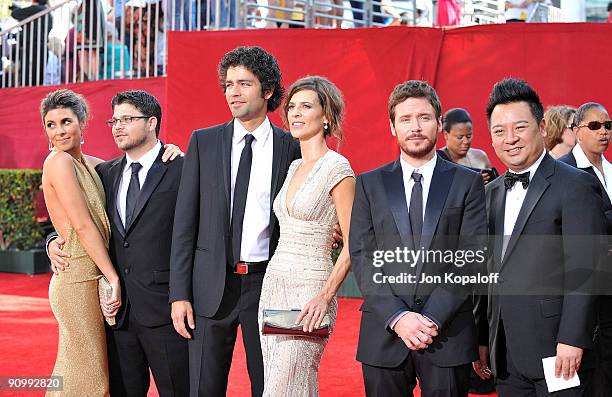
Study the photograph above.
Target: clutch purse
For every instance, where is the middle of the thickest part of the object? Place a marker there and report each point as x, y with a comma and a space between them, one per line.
282, 322
105, 292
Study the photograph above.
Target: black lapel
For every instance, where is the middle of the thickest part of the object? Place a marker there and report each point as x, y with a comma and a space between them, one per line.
154, 176
226, 154
591, 171
115, 174
537, 187
497, 214
439, 187
393, 183
279, 163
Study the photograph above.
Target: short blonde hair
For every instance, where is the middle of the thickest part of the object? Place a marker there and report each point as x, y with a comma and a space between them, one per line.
557, 120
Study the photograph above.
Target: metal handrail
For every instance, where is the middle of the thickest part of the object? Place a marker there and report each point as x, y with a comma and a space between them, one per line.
86, 46
35, 16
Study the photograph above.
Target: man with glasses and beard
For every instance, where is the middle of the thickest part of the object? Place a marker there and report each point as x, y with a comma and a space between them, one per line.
418, 330
141, 191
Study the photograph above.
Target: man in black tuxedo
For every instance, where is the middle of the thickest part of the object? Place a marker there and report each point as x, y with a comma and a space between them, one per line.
416, 328
544, 218
141, 192
588, 155
224, 229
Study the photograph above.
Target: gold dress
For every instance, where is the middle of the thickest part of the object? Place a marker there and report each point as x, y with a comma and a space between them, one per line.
73, 294
298, 270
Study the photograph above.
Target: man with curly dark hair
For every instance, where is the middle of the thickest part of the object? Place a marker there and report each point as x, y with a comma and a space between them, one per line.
225, 230
260, 63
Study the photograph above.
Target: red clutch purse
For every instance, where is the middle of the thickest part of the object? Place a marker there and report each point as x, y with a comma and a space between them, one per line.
282, 322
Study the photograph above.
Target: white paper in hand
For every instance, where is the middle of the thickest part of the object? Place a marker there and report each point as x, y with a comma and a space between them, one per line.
554, 383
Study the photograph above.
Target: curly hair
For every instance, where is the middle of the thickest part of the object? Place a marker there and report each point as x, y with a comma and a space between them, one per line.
557, 120
330, 99
262, 64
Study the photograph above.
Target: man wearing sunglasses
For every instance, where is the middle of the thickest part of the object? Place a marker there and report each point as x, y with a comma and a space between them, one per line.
593, 128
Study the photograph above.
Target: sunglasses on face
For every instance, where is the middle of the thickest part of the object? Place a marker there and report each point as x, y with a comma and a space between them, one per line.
596, 125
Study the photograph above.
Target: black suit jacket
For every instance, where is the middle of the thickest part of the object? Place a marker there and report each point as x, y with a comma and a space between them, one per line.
545, 277
571, 160
201, 240
141, 251
604, 275
454, 218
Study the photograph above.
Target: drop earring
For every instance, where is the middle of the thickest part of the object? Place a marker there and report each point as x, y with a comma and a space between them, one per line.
325, 126
82, 139
50, 146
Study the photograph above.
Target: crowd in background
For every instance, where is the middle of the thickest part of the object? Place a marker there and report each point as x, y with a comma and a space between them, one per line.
103, 39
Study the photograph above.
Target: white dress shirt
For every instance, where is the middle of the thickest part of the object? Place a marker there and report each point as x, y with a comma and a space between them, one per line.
583, 162
146, 161
514, 200
426, 170
255, 245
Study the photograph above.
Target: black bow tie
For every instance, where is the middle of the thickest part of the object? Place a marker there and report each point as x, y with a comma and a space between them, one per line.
511, 178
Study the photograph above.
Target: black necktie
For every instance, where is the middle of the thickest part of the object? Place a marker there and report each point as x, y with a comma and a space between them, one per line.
511, 178
415, 212
132, 193
240, 195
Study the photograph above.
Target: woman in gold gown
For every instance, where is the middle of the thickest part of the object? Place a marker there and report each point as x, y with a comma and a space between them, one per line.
75, 200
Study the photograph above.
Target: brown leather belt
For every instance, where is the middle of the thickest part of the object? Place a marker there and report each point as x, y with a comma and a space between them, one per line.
250, 267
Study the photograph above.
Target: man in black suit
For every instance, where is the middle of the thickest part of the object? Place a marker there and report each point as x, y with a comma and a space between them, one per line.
224, 229
141, 194
544, 219
414, 328
588, 155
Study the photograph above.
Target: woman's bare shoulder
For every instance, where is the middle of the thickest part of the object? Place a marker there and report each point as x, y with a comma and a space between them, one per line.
57, 160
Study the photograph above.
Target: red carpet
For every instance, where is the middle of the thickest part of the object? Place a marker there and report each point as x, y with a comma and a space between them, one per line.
28, 341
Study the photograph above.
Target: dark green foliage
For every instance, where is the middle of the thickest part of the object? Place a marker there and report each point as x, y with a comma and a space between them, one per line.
19, 190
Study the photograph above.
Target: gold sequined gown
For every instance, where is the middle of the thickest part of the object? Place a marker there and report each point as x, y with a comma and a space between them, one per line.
297, 272
73, 294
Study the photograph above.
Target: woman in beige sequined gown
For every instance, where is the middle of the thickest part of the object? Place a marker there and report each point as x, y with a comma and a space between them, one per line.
75, 200
317, 194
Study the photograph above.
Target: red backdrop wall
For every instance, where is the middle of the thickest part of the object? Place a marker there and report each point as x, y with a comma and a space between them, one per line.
23, 143
559, 60
364, 63
566, 63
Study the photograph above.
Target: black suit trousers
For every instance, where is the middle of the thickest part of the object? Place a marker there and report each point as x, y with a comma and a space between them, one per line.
434, 381
212, 346
133, 348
